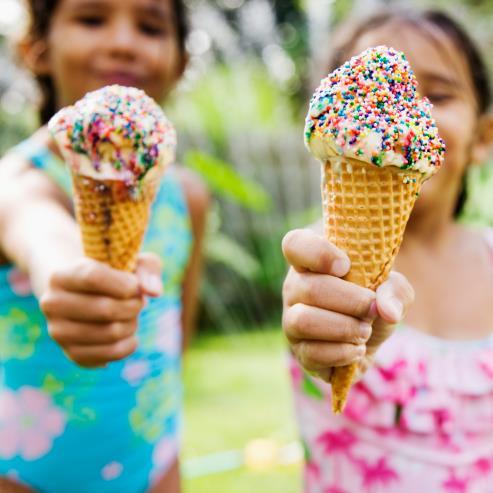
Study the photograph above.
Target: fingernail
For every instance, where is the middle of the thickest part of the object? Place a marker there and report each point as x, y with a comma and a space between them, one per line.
364, 330
153, 284
395, 308
340, 266
372, 312
361, 350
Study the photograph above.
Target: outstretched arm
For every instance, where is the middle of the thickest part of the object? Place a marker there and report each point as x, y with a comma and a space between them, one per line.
91, 309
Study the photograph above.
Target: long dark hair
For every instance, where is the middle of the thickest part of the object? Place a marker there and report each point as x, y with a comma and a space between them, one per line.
423, 21
40, 14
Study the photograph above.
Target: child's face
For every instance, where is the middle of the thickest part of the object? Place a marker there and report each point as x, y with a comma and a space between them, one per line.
93, 43
444, 78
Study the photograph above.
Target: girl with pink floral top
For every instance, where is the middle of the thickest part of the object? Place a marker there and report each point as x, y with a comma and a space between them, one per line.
420, 419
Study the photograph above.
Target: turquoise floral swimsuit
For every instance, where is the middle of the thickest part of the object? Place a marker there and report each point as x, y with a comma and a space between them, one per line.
66, 429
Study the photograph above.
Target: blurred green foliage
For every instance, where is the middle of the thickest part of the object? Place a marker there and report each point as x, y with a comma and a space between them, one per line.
240, 127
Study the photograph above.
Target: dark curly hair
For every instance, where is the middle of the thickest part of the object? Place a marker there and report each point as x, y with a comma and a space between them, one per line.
40, 13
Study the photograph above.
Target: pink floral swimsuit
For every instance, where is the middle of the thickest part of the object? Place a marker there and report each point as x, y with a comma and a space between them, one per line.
420, 420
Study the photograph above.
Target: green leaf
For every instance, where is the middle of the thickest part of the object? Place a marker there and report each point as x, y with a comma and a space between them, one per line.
52, 385
221, 248
227, 183
310, 388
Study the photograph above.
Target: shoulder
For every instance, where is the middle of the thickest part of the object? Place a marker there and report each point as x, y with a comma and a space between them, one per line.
196, 194
30, 182
197, 197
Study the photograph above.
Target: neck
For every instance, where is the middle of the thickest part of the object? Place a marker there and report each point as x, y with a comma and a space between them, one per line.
431, 231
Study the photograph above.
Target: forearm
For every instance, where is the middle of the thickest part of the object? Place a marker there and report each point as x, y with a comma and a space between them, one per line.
39, 238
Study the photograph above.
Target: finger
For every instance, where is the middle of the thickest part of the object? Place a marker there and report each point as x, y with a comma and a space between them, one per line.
90, 276
329, 293
148, 272
316, 356
96, 356
76, 333
88, 308
304, 322
394, 297
306, 250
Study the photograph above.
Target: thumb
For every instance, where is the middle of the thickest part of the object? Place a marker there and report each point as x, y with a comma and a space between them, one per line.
148, 272
394, 297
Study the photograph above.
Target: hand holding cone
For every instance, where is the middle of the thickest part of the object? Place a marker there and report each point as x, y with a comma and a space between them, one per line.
377, 143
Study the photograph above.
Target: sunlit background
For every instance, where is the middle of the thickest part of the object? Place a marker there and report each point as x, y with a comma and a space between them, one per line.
239, 112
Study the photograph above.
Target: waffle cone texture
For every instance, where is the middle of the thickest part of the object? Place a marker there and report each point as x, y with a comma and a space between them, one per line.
112, 219
366, 209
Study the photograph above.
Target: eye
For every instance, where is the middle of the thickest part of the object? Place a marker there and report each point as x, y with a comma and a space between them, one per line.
152, 29
91, 20
439, 97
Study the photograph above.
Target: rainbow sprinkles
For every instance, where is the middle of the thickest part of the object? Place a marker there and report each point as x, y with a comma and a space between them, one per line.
369, 109
114, 133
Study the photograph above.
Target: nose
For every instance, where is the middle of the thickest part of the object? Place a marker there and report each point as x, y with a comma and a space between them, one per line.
122, 42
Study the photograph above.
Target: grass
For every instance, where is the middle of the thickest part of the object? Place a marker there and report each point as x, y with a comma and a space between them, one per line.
237, 391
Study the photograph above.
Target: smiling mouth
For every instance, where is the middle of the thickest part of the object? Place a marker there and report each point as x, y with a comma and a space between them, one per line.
122, 79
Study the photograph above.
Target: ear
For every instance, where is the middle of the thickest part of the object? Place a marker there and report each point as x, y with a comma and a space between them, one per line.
484, 139
34, 54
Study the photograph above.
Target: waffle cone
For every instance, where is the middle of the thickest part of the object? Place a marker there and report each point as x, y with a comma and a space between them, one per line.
112, 219
366, 209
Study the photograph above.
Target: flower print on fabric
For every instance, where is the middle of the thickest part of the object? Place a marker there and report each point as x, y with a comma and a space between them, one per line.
19, 282
169, 331
165, 453
135, 370
29, 423
379, 473
19, 333
111, 471
174, 246
155, 412
166, 334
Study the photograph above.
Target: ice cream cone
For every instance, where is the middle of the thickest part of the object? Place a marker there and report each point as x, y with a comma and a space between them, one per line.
117, 143
113, 218
366, 209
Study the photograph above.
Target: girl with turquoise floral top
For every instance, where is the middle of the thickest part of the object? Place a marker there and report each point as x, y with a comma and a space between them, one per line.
90, 390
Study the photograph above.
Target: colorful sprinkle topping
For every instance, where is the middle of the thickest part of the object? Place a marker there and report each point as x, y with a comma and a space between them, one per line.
369, 109
121, 131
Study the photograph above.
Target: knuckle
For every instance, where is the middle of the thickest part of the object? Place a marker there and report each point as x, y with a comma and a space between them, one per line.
290, 287
124, 348
115, 332
47, 303
362, 304
55, 279
311, 290
106, 309
289, 241
326, 259
57, 334
308, 355
132, 308
352, 329
76, 356
88, 273
294, 319
346, 353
